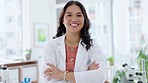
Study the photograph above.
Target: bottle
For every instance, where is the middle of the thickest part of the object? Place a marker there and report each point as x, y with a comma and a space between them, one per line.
26, 80
4, 74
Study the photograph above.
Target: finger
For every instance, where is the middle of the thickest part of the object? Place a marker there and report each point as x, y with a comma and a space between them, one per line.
51, 65
92, 68
96, 64
97, 67
48, 74
48, 70
93, 63
49, 78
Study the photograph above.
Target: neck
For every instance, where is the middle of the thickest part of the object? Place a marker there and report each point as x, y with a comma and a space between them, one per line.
72, 40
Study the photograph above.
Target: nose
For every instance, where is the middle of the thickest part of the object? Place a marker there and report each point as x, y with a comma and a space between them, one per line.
74, 19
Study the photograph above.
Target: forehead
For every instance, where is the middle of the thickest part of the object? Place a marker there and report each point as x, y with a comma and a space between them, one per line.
73, 8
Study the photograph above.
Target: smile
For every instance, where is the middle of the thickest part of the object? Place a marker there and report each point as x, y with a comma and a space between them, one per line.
74, 25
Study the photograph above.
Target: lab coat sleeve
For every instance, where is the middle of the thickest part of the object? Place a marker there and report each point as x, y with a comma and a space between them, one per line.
48, 57
94, 76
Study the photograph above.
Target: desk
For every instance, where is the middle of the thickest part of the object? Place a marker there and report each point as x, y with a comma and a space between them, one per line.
21, 70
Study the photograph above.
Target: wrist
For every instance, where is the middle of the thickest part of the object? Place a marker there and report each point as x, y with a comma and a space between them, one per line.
70, 77
65, 75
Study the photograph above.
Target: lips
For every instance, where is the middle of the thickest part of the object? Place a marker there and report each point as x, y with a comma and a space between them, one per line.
74, 24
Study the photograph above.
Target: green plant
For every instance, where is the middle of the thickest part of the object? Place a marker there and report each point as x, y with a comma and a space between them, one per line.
111, 60
28, 51
143, 55
118, 76
27, 55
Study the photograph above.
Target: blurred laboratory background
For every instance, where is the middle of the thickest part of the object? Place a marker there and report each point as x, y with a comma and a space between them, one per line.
120, 27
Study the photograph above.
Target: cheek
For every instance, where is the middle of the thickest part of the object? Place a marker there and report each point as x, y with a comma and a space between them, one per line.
82, 21
65, 21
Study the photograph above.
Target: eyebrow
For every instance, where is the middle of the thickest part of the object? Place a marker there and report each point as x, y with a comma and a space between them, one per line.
71, 12
79, 13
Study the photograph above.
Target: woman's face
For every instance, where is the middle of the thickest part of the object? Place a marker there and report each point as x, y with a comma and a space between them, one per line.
73, 19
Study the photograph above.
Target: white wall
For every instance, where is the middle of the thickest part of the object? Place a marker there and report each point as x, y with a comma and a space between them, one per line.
2, 21
145, 17
39, 11
2, 25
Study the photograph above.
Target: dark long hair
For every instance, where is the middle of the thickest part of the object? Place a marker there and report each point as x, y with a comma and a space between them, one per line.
84, 33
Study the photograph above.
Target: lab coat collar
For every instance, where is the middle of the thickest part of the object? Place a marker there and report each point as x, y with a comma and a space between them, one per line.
81, 53
61, 46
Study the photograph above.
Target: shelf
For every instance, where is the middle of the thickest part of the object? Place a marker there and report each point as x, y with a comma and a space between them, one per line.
20, 70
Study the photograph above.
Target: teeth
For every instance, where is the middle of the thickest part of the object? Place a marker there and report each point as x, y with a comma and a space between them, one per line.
74, 24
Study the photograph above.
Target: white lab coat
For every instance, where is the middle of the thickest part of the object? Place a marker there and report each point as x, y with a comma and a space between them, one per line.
55, 54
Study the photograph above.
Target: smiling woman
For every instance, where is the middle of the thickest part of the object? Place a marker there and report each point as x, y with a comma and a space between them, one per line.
72, 54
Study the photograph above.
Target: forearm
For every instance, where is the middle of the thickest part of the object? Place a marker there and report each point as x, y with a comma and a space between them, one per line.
92, 76
70, 77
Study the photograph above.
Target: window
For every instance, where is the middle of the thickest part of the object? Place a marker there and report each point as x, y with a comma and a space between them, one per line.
138, 34
100, 17
61, 1
11, 28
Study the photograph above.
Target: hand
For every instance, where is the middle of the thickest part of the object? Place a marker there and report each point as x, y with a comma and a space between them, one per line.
53, 72
93, 66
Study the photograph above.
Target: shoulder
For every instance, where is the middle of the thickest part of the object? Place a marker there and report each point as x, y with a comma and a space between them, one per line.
54, 42
51, 41
95, 44
96, 51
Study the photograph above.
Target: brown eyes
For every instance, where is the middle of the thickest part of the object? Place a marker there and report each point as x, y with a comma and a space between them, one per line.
79, 15
69, 15
76, 15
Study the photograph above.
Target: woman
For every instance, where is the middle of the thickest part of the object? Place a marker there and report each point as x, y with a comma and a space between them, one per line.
72, 56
